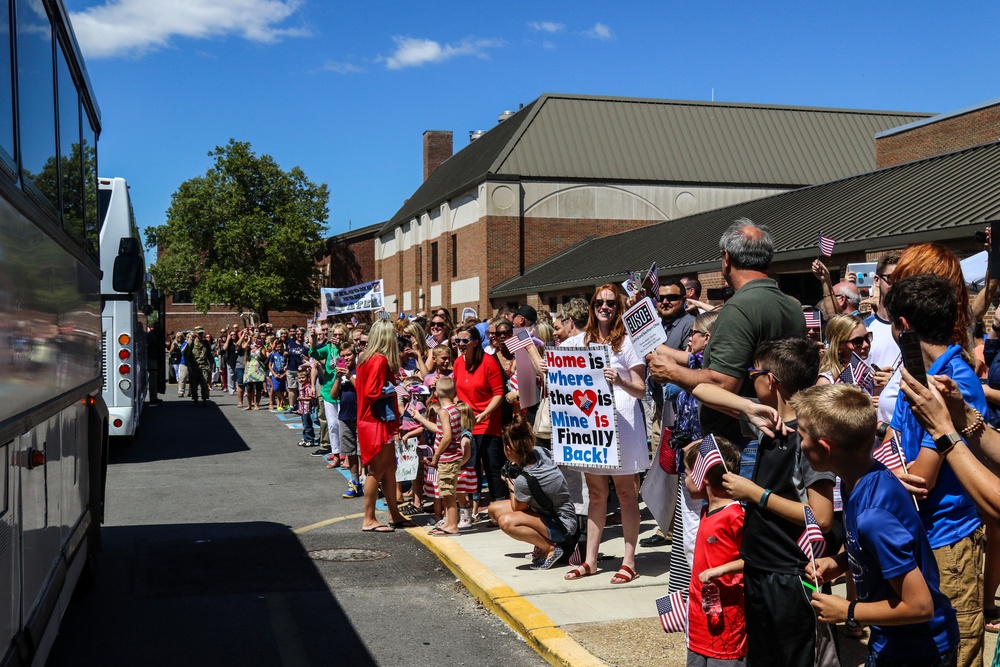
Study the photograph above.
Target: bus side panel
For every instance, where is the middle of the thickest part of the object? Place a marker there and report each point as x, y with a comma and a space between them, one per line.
10, 611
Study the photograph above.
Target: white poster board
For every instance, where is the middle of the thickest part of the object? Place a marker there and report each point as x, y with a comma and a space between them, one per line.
642, 324
582, 404
355, 299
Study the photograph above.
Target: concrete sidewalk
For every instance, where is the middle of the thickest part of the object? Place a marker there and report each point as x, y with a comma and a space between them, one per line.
583, 622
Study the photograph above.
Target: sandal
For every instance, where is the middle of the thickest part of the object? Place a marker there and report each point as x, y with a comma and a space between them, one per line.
408, 510
437, 532
579, 572
992, 618
624, 575
405, 523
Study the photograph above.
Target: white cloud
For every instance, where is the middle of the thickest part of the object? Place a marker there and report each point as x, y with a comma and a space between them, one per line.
413, 52
343, 68
547, 26
600, 31
135, 26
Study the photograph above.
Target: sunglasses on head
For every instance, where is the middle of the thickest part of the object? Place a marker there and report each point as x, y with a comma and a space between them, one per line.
610, 303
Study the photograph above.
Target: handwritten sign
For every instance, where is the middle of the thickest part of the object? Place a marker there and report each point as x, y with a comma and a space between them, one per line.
643, 327
582, 404
343, 300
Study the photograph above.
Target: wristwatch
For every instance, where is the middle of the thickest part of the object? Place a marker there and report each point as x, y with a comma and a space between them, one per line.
944, 444
850, 622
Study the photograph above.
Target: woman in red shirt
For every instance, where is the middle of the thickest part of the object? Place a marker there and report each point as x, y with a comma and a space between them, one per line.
479, 385
378, 366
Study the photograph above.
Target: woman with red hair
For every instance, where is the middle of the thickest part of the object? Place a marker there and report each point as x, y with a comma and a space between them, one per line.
627, 377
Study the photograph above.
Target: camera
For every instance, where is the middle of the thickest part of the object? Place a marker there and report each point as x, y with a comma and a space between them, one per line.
720, 294
680, 439
510, 470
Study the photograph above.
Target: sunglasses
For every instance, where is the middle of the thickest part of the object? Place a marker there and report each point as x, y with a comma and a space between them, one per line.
886, 278
671, 297
462, 341
700, 333
437, 325
755, 373
504, 334
860, 340
610, 303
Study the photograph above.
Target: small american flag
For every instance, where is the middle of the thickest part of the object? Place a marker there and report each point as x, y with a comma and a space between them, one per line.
812, 319
863, 376
708, 456
519, 341
354, 320
826, 245
846, 376
654, 280
673, 612
890, 454
812, 542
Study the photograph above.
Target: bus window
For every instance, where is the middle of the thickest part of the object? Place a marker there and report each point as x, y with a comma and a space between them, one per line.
91, 221
6, 93
36, 101
70, 165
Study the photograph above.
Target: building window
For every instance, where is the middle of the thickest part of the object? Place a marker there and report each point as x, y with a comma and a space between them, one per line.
420, 265
182, 297
434, 262
454, 255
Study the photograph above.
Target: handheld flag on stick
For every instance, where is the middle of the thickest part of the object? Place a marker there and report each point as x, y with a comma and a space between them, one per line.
846, 376
708, 456
812, 542
519, 341
654, 280
889, 454
812, 319
863, 375
673, 612
826, 245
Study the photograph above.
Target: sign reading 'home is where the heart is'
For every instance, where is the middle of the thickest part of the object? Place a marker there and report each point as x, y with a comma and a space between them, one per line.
584, 427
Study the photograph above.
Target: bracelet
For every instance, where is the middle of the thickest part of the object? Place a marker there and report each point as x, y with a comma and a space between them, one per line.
975, 426
763, 498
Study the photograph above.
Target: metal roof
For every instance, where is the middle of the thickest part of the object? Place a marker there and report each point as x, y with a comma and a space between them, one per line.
926, 200
615, 139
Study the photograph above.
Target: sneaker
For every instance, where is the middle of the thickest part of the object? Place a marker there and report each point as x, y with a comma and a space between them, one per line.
303, 443
464, 519
320, 452
353, 490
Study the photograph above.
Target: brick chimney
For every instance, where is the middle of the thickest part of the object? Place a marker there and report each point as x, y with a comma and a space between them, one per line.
437, 149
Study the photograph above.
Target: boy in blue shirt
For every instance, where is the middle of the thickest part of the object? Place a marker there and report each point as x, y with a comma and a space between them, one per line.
889, 555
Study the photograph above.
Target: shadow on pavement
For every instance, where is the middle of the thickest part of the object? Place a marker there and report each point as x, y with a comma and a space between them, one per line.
179, 430
207, 594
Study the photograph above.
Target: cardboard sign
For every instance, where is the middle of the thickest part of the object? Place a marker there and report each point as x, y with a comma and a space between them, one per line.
642, 324
343, 300
406, 460
582, 404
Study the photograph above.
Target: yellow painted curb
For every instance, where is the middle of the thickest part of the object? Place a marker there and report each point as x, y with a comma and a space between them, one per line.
554, 645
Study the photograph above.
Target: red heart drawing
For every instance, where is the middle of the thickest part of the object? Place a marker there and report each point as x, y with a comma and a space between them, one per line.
585, 400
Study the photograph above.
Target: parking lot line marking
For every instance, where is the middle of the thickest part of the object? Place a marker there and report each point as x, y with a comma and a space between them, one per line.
327, 522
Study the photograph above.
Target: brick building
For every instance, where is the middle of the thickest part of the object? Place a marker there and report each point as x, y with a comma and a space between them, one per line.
565, 169
925, 196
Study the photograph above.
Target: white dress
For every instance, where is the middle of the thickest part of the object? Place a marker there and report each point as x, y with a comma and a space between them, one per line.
632, 439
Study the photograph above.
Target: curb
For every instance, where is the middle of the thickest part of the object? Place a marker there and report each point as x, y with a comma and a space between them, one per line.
551, 643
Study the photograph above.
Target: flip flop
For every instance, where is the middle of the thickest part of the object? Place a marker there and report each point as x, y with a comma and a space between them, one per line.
624, 575
437, 532
379, 529
579, 572
405, 523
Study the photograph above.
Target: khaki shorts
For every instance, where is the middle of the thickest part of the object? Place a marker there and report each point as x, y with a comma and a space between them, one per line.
349, 438
448, 477
292, 380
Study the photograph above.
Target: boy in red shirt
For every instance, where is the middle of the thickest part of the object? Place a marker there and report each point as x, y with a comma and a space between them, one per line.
717, 633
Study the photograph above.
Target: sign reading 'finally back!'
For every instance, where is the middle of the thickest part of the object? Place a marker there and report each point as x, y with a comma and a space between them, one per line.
584, 426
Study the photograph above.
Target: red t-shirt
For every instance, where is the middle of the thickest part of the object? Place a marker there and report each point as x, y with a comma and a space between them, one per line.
720, 535
477, 389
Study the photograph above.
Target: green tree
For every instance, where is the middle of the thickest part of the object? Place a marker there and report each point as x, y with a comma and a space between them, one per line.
245, 234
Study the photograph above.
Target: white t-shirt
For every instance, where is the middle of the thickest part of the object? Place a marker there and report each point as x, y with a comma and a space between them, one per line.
884, 354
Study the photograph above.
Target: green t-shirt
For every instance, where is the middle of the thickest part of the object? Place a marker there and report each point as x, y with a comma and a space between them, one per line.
757, 312
327, 356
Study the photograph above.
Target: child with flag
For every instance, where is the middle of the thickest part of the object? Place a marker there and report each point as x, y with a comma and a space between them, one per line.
890, 557
716, 627
783, 484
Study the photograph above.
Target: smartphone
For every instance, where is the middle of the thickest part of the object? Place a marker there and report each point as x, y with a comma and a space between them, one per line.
341, 364
913, 358
980, 237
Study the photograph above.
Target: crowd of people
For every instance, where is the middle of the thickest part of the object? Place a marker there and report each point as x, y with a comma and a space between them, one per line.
853, 438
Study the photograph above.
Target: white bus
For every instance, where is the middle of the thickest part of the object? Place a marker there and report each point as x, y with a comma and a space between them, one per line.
53, 421
123, 317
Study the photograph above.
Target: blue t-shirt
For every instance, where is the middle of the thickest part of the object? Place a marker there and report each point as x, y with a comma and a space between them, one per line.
297, 355
948, 513
886, 539
348, 401
277, 360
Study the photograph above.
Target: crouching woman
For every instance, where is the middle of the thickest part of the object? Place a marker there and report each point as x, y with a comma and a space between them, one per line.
539, 510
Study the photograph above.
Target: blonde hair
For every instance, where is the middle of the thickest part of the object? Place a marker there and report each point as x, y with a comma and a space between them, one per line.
445, 387
468, 416
419, 338
839, 413
545, 332
382, 340
838, 330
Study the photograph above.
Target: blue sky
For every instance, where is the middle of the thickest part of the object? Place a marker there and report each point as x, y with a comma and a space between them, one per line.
345, 90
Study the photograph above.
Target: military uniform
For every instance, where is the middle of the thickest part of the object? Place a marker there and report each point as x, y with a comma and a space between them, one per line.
199, 362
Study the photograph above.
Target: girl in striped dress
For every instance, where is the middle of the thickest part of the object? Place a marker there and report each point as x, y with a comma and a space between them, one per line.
468, 481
